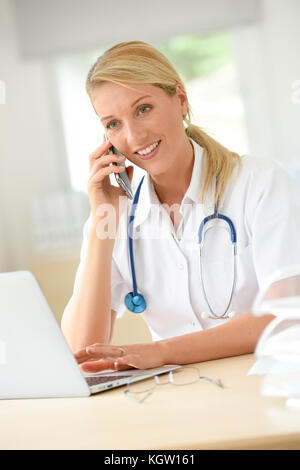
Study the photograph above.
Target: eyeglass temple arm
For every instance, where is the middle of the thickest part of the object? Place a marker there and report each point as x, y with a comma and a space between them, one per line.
217, 382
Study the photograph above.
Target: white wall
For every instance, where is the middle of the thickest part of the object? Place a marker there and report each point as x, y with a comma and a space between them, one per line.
30, 163
49, 27
32, 155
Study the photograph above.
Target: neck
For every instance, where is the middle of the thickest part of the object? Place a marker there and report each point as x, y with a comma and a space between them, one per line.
171, 186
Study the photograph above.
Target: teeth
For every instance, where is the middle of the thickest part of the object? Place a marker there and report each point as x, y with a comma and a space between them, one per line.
148, 149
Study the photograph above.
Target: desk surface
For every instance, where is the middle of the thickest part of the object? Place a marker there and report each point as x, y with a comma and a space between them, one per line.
198, 416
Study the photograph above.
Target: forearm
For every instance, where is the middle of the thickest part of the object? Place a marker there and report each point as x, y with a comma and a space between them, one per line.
87, 317
233, 338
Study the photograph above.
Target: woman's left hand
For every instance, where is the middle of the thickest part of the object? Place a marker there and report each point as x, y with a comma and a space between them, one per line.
100, 356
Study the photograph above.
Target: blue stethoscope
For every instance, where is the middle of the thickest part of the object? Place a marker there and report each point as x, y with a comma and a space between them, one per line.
136, 302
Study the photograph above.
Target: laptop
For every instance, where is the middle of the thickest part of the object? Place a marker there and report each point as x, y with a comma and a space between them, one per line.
35, 359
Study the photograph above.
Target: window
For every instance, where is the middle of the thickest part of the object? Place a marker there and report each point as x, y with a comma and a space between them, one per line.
209, 71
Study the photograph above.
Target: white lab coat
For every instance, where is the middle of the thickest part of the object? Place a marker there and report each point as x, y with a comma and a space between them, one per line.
264, 205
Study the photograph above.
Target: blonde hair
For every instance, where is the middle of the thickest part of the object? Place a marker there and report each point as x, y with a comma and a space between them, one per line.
140, 62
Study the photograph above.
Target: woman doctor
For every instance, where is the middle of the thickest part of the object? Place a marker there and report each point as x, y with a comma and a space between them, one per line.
196, 311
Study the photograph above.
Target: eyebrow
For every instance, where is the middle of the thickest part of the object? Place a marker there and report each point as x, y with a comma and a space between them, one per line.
135, 102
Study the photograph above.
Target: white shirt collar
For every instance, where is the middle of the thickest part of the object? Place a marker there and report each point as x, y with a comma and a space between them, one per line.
149, 197
194, 189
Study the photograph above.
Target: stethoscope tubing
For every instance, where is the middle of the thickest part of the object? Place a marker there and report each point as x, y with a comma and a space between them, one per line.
214, 315
130, 235
134, 301
206, 220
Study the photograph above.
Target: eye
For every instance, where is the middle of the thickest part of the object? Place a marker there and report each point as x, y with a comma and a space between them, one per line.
143, 107
108, 126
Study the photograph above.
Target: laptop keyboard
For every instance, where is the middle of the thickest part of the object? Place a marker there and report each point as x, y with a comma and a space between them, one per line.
103, 379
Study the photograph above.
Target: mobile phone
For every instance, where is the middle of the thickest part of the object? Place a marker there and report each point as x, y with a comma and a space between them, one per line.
121, 178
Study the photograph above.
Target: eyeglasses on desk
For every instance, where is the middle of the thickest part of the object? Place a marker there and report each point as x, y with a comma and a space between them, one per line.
140, 391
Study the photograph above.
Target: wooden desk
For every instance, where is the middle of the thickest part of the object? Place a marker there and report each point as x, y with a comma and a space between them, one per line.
198, 416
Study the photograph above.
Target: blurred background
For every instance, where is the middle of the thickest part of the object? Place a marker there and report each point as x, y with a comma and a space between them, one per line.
241, 65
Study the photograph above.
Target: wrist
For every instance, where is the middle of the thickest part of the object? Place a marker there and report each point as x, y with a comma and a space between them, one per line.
163, 351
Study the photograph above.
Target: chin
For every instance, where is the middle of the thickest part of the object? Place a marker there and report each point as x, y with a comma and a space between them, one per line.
156, 170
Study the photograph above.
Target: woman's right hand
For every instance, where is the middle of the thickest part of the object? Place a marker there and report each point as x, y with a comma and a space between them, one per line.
100, 190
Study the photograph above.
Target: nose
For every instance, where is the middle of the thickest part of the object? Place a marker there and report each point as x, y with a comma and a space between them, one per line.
135, 135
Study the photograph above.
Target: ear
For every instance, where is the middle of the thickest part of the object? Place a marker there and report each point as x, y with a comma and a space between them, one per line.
182, 97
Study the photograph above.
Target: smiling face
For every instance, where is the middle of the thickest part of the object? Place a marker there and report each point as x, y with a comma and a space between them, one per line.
137, 120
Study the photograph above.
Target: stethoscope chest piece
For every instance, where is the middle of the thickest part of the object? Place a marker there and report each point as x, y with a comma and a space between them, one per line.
135, 303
